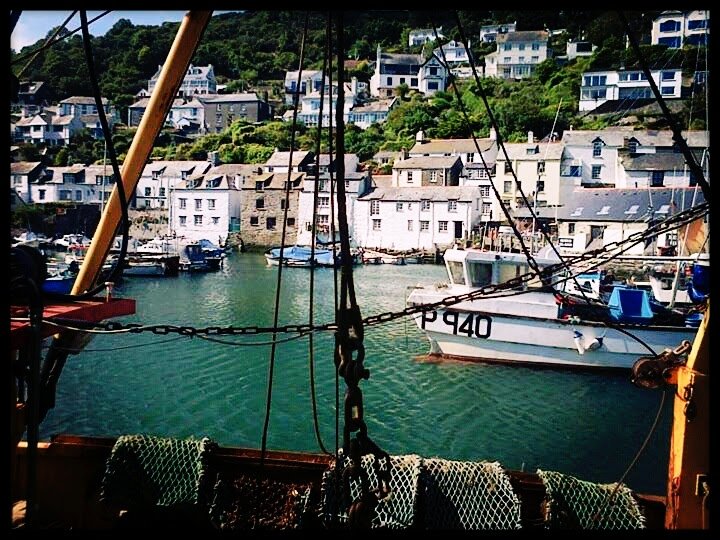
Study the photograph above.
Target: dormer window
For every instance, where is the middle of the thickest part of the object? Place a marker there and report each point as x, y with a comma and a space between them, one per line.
597, 148
632, 147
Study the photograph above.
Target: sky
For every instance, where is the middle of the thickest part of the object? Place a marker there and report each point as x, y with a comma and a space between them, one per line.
34, 24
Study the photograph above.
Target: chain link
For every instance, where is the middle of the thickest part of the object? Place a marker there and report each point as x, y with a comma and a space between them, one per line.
593, 258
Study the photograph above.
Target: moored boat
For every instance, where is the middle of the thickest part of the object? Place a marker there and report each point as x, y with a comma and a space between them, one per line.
536, 323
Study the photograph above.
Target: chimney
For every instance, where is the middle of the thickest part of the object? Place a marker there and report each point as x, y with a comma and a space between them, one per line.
493, 134
213, 158
530, 137
308, 86
353, 86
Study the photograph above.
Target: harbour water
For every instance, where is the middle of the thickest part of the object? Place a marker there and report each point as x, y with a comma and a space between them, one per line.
589, 425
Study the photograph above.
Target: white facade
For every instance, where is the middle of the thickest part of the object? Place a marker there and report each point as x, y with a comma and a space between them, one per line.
356, 185
678, 28
574, 49
411, 219
47, 128
420, 36
517, 54
65, 184
311, 81
310, 105
159, 178
205, 206
197, 80
601, 86
454, 51
489, 33
374, 112
392, 70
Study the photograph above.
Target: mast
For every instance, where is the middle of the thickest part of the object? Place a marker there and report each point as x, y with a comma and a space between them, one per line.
171, 76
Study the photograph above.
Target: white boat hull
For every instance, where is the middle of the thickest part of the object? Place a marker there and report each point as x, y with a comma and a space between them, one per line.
493, 337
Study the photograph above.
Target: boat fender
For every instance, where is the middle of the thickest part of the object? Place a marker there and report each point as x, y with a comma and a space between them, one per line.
595, 343
577, 338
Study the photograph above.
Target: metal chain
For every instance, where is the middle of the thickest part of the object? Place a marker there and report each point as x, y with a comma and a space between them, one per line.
591, 259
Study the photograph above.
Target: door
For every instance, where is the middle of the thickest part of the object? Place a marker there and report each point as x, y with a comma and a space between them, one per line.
458, 229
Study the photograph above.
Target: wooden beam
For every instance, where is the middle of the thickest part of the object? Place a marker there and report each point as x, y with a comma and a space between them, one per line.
690, 439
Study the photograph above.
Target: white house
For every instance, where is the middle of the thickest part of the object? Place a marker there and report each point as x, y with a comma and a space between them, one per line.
427, 171
490, 32
591, 158
677, 28
64, 184
197, 80
373, 112
22, 175
409, 218
392, 70
575, 49
309, 110
279, 162
454, 52
599, 87
158, 178
311, 81
420, 36
205, 206
517, 54
357, 183
47, 128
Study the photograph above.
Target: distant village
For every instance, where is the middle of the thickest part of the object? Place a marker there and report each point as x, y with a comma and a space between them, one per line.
585, 187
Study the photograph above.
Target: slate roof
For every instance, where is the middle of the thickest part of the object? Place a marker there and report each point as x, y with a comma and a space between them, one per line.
444, 146
83, 100
616, 205
439, 162
439, 193
282, 159
24, 167
525, 35
645, 137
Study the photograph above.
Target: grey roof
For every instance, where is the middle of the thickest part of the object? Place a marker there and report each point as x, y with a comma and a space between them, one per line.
439, 162
545, 151
205, 181
525, 35
277, 180
350, 160
83, 100
235, 168
204, 72
627, 205
434, 193
445, 146
227, 98
645, 137
349, 175
176, 168
382, 180
382, 105
662, 161
282, 159
411, 59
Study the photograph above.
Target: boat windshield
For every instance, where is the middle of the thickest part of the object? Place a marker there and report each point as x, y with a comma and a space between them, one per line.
480, 273
510, 271
456, 272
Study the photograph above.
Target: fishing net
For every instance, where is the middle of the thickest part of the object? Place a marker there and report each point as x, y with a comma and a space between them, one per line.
144, 471
396, 511
578, 504
468, 495
429, 493
247, 503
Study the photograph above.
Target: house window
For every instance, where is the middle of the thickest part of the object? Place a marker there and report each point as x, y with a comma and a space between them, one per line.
632, 147
198, 204
322, 185
508, 167
290, 222
410, 224
486, 208
374, 208
216, 220
41, 194
376, 224
597, 148
259, 185
425, 205
541, 167
323, 219
399, 207
433, 85
571, 228
323, 202
282, 204
389, 81
433, 176
147, 191
410, 178
183, 221
424, 226
470, 157
596, 172
147, 203
260, 203
413, 81
604, 211
211, 204
452, 206
198, 219
442, 226
507, 186
270, 223
657, 178
183, 204
254, 220
484, 191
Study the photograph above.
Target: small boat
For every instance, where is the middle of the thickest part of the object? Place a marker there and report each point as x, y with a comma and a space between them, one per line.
193, 259
28, 238
67, 240
536, 324
299, 256
152, 265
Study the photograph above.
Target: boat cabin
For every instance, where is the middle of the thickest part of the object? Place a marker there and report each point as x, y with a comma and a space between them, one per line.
475, 268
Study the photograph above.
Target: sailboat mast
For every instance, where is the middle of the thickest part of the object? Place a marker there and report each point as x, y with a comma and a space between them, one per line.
171, 76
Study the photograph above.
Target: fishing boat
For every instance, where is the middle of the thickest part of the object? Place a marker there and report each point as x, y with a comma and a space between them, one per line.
152, 265
536, 323
299, 256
